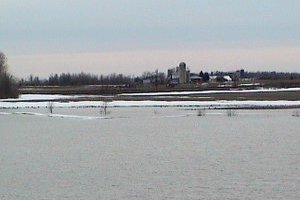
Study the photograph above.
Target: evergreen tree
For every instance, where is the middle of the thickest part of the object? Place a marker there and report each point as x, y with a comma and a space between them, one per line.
205, 77
201, 74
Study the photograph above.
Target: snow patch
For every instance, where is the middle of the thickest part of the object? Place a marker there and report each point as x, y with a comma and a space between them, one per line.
56, 115
149, 103
77, 116
211, 92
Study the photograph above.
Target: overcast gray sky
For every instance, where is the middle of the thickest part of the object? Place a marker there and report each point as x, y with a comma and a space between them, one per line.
131, 36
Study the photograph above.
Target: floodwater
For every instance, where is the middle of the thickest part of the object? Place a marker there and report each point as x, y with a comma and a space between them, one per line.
149, 153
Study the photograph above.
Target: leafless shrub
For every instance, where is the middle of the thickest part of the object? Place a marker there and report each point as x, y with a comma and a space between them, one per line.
296, 113
50, 107
231, 113
155, 112
104, 108
201, 112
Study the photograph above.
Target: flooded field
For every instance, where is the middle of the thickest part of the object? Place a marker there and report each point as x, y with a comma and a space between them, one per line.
149, 153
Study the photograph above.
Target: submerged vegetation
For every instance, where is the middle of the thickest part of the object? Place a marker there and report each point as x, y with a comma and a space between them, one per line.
296, 113
8, 85
50, 107
201, 112
104, 108
231, 113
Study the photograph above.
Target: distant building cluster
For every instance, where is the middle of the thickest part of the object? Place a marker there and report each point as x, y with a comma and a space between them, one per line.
179, 74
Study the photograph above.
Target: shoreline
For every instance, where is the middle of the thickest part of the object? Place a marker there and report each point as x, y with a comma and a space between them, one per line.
281, 98
251, 105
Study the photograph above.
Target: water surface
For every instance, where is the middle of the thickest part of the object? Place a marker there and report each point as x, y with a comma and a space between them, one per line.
149, 153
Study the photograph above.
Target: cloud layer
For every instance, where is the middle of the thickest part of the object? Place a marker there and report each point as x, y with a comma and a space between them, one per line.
229, 33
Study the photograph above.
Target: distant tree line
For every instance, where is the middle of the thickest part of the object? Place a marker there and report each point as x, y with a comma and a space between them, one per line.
264, 75
273, 75
75, 79
8, 86
155, 78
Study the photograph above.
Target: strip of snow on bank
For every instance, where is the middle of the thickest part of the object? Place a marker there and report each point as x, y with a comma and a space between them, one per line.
204, 104
56, 115
47, 97
27, 97
212, 92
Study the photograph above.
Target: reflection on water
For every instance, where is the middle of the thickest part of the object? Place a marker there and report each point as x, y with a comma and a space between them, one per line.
149, 153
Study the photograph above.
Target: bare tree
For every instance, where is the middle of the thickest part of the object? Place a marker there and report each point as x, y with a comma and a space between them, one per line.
8, 86
3, 65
